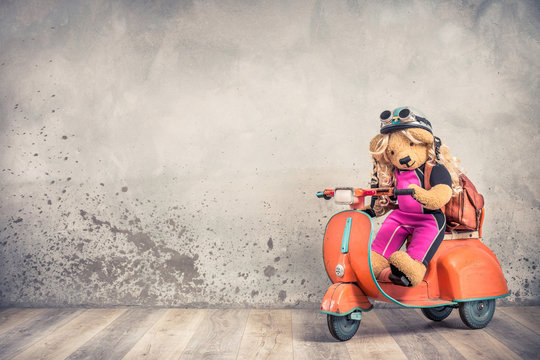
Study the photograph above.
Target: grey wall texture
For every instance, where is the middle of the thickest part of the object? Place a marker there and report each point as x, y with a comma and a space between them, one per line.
165, 153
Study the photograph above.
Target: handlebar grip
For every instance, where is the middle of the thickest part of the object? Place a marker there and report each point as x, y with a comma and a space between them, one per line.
404, 192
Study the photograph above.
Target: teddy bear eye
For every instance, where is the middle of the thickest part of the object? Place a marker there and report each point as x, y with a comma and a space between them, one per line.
392, 152
411, 144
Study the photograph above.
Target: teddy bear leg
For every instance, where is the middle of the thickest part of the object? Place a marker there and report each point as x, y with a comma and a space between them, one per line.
378, 263
405, 270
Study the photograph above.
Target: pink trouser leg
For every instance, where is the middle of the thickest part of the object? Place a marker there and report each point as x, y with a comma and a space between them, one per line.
427, 232
391, 235
426, 238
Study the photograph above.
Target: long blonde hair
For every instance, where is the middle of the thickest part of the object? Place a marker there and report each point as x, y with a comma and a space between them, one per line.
383, 174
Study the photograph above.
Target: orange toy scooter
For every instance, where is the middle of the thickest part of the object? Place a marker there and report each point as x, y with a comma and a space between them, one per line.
464, 273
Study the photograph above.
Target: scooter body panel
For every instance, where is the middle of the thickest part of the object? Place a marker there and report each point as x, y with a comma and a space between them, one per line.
470, 270
343, 298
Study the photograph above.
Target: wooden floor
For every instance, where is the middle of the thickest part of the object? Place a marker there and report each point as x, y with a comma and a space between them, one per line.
514, 333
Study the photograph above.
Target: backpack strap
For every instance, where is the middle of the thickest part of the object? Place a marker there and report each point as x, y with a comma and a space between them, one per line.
427, 175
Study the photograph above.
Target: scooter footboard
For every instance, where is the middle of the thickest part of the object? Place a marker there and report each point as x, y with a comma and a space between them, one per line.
344, 298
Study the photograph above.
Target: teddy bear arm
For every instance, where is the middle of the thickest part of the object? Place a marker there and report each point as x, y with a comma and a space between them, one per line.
436, 197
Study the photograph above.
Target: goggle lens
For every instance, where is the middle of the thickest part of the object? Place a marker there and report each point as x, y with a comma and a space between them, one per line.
404, 114
386, 116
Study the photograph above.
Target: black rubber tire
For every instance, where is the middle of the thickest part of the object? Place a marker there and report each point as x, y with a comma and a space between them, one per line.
437, 313
342, 328
477, 314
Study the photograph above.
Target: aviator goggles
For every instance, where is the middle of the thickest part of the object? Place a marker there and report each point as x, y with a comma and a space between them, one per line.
402, 118
399, 115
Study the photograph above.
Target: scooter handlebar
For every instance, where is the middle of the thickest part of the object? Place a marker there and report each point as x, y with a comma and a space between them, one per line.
327, 194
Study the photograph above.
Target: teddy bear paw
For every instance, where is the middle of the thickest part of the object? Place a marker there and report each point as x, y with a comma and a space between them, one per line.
378, 263
405, 270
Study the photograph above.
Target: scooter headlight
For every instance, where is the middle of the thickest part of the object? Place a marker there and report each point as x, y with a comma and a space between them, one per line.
340, 270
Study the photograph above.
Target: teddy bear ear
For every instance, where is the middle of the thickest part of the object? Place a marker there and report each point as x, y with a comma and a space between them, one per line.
374, 142
422, 135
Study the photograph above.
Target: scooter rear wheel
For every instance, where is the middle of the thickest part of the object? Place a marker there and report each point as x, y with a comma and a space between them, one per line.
437, 313
477, 314
342, 328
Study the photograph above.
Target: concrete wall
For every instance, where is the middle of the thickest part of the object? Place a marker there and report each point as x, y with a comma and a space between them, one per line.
167, 154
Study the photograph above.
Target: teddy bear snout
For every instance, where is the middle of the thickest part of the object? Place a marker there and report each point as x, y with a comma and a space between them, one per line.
405, 160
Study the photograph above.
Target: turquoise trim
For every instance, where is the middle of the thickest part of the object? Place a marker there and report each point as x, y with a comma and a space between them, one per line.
346, 236
382, 291
485, 298
346, 313
319, 194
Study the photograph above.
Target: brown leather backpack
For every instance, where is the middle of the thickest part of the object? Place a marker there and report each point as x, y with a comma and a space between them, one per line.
463, 211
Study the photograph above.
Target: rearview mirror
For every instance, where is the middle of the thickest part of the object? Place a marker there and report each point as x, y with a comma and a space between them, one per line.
344, 196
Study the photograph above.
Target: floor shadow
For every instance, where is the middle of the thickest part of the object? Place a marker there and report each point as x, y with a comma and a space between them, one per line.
317, 330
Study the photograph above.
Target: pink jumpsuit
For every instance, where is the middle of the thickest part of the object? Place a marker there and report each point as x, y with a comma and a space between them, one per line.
426, 226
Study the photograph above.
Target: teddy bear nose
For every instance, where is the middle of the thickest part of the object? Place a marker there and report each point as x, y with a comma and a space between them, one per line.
405, 160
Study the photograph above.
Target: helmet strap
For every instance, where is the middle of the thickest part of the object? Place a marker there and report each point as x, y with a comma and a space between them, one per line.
437, 141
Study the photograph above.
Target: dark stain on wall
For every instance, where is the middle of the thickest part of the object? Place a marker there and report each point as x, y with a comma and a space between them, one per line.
142, 241
269, 271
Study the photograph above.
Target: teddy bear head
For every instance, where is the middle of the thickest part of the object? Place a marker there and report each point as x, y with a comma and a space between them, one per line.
405, 149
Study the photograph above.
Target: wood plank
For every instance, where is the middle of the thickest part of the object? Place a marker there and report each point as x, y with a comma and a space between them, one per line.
12, 317
312, 339
79, 330
528, 316
169, 336
372, 341
473, 344
22, 336
517, 337
417, 339
218, 336
120, 336
268, 335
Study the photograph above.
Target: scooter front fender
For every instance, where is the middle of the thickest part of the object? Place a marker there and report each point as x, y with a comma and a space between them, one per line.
343, 298
355, 245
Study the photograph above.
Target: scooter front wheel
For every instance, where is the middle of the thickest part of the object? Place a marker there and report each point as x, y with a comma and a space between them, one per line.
342, 328
477, 314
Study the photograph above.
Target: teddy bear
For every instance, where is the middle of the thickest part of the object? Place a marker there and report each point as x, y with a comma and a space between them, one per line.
400, 153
